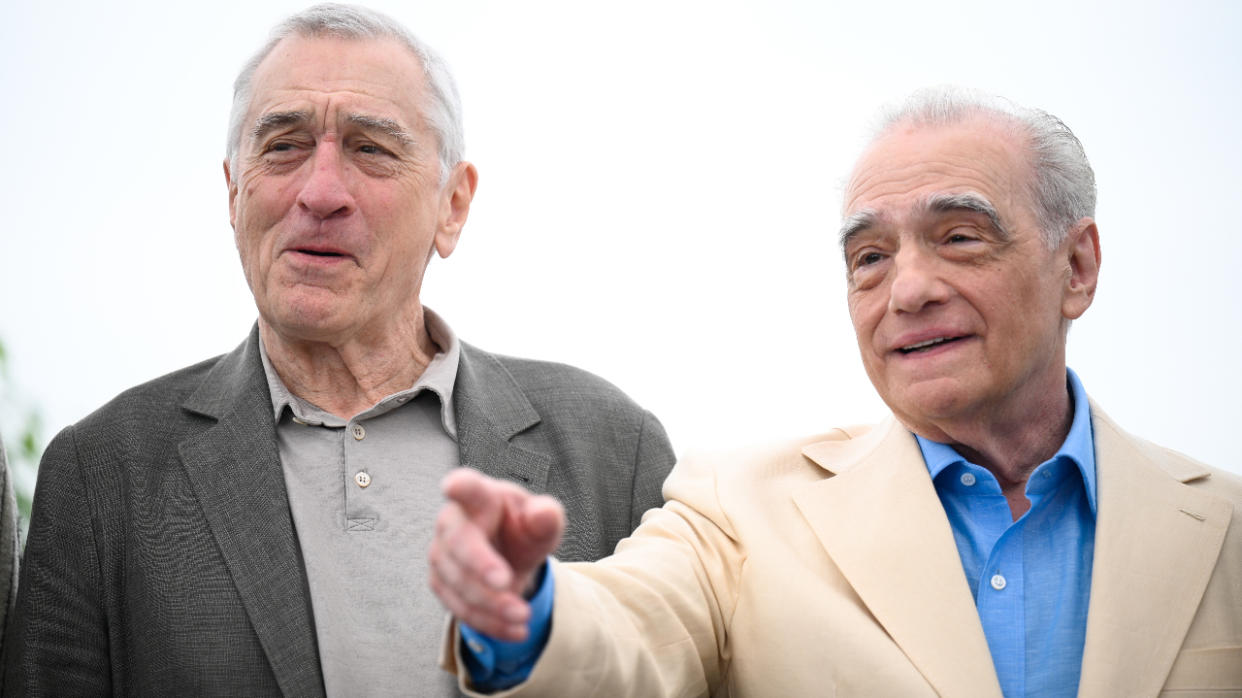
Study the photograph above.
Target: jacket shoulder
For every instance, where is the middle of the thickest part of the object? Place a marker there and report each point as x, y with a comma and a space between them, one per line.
138, 425
1181, 467
552, 384
805, 457
1196, 473
151, 399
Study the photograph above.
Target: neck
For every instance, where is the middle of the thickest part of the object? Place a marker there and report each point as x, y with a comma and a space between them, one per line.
1010, 448
348, 376
1013, 441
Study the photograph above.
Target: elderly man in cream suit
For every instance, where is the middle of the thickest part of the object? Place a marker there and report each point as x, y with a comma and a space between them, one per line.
999, 535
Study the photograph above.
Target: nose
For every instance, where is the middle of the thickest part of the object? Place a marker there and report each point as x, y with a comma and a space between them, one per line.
325, 193
916, 281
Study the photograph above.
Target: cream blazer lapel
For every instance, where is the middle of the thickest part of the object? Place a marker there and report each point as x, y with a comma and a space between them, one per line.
881, 522
1156, 544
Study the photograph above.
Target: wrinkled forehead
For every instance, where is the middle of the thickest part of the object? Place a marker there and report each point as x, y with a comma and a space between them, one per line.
379, 72
911, 162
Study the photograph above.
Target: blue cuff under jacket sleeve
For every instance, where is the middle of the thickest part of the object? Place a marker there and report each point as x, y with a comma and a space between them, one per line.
495, 665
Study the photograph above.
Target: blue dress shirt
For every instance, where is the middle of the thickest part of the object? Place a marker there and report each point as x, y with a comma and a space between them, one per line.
1031, 578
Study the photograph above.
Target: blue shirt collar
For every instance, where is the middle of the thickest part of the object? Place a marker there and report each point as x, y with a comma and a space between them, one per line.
1079, 445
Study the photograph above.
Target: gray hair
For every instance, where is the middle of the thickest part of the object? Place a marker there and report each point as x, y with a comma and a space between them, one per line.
443, 112
1062, 186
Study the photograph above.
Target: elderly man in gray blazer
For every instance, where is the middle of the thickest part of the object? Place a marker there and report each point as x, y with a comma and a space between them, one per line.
255, 524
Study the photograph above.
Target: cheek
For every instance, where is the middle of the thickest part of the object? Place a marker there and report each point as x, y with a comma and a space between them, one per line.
865, 315
1026, 303
254, 239
259, 207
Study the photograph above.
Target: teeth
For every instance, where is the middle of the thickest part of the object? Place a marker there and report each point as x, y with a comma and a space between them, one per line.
928, 343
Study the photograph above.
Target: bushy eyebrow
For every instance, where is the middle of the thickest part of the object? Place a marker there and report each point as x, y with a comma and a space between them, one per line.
855, 223
282, 119
967, 201
276, 120
388, 127
863, 219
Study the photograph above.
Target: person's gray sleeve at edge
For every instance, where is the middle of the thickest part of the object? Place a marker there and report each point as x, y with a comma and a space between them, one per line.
8, 544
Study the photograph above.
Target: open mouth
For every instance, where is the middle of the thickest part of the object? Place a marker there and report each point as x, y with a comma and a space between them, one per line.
929, 344
324, 254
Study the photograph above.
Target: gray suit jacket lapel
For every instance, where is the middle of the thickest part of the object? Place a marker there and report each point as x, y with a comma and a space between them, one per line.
234, 468
491, 411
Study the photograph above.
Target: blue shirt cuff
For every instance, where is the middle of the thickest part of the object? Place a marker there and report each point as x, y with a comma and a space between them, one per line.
494, 665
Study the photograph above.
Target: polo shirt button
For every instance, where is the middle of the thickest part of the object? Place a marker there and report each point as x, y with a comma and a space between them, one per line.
968, 479
998, 582
358, 432
363, 479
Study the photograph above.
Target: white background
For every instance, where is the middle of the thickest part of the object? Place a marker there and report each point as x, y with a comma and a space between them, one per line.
658, 199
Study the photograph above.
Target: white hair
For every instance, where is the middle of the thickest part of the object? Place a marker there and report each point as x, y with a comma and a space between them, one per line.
443, 109
1062, 186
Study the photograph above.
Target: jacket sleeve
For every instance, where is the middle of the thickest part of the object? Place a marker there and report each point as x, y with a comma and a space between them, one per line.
651, 620
56, 643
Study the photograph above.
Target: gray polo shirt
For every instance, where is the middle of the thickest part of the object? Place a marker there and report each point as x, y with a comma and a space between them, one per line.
364, 494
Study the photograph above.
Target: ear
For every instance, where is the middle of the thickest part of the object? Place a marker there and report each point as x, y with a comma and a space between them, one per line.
232, 185
1082, 252
455, 200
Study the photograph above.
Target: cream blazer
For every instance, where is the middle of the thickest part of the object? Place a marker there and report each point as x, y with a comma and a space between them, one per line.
827, 567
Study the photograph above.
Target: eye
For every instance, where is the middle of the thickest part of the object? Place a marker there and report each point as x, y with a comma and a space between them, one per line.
279, 148
371, 149
961, 234
867, 258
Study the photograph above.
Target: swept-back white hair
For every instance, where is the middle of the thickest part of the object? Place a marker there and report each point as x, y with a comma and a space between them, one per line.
1062, 186
443, 109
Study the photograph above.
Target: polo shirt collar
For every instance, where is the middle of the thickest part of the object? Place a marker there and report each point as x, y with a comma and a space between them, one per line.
439, 377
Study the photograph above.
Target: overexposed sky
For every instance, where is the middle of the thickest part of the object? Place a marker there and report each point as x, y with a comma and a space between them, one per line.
659, 187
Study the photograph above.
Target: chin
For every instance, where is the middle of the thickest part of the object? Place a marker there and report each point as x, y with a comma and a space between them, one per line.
307, 321
927, 402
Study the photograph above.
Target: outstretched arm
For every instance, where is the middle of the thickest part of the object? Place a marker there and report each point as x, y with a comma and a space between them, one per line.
492, 537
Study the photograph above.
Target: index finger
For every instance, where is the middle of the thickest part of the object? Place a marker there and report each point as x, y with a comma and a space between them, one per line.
478, 493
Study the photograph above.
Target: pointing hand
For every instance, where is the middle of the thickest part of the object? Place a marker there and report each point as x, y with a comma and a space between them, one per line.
491, 539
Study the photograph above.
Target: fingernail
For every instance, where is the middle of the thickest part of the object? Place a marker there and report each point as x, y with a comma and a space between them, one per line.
497, 579
515, 614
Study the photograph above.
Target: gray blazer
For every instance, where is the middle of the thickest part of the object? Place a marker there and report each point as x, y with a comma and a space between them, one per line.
162, 558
